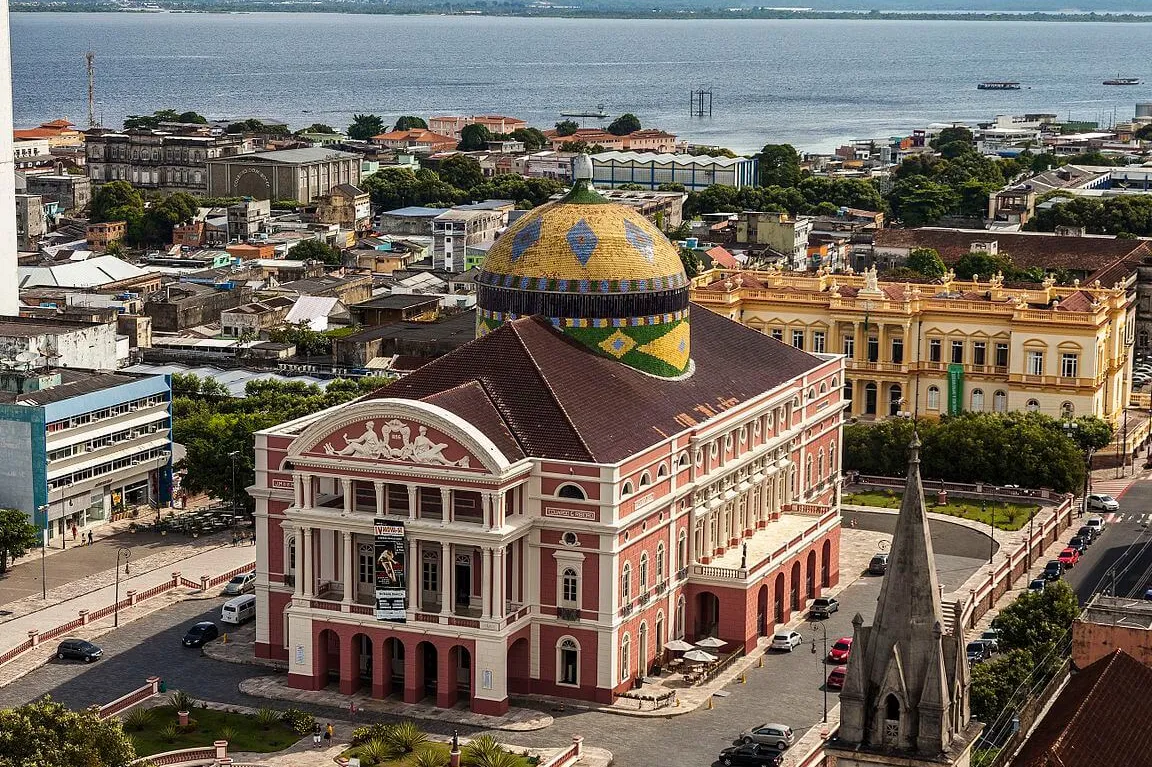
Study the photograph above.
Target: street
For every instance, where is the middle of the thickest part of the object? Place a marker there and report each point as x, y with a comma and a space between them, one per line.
1120, 560
787, 689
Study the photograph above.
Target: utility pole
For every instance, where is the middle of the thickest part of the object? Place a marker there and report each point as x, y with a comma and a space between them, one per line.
90, 62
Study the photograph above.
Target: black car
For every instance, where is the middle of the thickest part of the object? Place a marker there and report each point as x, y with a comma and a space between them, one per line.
1087, 534
756, 754
204, 631
1053, 570
1078, 543
78, 649
978, 652
823, 607
878, 565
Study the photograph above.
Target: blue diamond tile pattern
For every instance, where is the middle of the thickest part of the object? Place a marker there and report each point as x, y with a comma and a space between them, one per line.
582, 240
526, 238
640, 240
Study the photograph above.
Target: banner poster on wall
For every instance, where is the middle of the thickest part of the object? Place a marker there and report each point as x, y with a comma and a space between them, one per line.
391, 575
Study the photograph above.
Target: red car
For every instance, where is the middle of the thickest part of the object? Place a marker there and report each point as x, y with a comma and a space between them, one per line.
841, 650
836, 678
1068, 557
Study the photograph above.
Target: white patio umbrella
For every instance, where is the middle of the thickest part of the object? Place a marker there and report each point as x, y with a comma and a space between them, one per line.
699, 656
678, 645
711, 643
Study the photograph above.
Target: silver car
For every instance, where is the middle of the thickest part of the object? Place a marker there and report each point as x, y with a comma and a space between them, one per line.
779, 736
241, 584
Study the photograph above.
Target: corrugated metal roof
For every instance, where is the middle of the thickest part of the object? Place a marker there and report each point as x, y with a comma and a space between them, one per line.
79, 274
232, 380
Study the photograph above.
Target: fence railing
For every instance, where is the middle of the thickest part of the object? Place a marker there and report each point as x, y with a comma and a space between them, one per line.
125, 702
568, 756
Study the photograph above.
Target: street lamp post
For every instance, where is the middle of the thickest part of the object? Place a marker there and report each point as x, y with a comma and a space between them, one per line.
991, 529
125, 553
820, 663
43, 552
233, 455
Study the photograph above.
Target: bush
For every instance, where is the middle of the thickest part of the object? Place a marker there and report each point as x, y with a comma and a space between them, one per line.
227, 732
362, 735
430, 757
301, 722
137, 719
181, 700
267, 718
405, 737
375, 751
486, 751
169, 733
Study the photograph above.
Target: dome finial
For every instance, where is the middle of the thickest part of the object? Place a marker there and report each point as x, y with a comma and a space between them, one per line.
582, 168
582, 192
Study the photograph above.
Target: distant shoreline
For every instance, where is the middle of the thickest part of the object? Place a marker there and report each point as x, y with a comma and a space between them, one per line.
571, 13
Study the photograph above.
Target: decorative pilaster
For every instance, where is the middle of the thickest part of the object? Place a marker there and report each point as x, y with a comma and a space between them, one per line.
446, 565
446, 511
381, 497
346, 487
349, 575
413, 501
486, 590
308, 565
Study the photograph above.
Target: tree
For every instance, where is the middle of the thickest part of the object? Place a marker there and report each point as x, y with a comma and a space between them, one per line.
926, 261
474, 137
624, 124
116, 201
1145, 133
983, 264
390, 188
918, 201
252, 125
152, 121
45, 733
156, 225
364, 127
410, 122
308, 342
690, 261
994, 683
1092, 433
462, 171
1037, 621
779, 165
954, 135
318, 128
17, 535
567, 127
533, 139
314, 250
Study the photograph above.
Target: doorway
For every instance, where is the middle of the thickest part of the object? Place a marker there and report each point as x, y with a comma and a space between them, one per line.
463, 580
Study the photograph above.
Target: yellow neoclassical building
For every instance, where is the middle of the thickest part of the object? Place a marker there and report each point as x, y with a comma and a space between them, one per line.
948, 346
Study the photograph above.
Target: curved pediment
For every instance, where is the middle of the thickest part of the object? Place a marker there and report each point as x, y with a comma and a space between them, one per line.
393, 431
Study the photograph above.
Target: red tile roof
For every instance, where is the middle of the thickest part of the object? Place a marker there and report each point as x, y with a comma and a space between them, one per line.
1099, 719
556, 399
723, 257
1048, 251
416, 134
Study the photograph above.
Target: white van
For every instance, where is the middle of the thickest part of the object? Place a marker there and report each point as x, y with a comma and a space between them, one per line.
239, 610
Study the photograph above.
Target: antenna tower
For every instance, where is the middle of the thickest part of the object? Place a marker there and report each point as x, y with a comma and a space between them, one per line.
90, 61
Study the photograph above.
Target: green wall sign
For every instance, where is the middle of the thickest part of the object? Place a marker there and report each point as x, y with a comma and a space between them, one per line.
955, 389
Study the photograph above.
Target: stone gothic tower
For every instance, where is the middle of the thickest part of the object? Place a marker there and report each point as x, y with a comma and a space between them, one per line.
905, 700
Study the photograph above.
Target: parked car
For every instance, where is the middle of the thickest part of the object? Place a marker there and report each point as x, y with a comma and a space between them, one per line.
1087, 534
978, 652
78, 649
779, 736
1148, 593
241, 584
1103, 502
840, 651
1078, 543
1053, 570
836, 678
1097, 524
991, 637
204, 631
1069, 557
823, 607
878, 565
1037, 586
786, 640
751, 754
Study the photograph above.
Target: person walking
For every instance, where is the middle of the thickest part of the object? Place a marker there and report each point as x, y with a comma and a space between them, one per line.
316, 736
89, 537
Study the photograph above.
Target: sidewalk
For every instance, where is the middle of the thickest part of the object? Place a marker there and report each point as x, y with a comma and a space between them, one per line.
16, 629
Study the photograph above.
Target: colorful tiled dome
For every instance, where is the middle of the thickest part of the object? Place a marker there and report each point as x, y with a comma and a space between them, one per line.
600, 272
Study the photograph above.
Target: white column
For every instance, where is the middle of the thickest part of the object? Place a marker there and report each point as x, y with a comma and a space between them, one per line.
308, 565
486, 505
486, 589
446, 565
446, 505
415, 571
514, 585
306, 488
346, 488
349, 572
298, 574
413, 501
381, 496
501, 573
297, 491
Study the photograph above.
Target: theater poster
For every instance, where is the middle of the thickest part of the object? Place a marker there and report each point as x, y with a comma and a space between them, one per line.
391, 572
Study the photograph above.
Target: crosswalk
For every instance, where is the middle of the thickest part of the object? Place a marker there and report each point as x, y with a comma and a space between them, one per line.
1132, 519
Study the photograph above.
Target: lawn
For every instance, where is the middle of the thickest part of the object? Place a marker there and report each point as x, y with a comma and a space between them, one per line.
408, 760
247, 734
1005, 515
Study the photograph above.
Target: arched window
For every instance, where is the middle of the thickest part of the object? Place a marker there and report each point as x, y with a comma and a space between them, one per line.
570, 586
835, 382
933, 397
662, 472
895, 399
683, 462
682, 550
625, 658
626, 584
832, 458
870, 399
575, 492
808, 471
568, 661
1032, 406
627, 489
1000, 401
679, 625
977, 400
660, 563
645, 479
820, 464
823, 388
847, 390
1067, 410
892, 708
643, 572
811, 392
290, 556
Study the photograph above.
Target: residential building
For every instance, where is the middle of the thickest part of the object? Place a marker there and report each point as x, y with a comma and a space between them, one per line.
71, 191
249, 251
455, 229
591, 137
943, 348
349, 290
58, 133
782, 232
651, 169
83, 445
415, 341
31, 223
32, 154
417, 140
186, 305
247, 218
39, 343
414, 219
1108, 624
289, 174
157, 160
653, 140
105, 233
451, 126
427, 538
384, 310
345, 205
96, 274
252, 321
545, 164
190, 234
